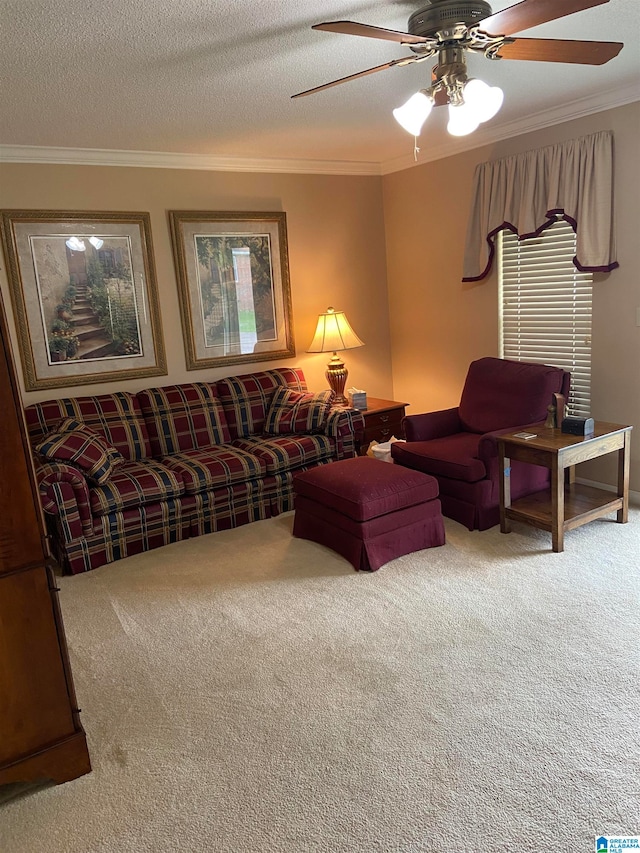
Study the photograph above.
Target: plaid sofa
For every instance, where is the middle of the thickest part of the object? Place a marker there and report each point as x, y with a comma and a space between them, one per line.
191, 459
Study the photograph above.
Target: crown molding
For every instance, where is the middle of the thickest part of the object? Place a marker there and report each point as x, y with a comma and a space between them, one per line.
170, 160
538, 121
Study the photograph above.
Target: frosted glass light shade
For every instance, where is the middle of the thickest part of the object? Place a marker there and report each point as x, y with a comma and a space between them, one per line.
462, 120
481, 102
75, 244
413, 114
96, 242
484, 100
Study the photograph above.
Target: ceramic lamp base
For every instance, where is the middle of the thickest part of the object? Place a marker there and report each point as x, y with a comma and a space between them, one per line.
336, 375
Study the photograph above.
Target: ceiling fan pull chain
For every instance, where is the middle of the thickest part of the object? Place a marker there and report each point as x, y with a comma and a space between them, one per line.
416, 150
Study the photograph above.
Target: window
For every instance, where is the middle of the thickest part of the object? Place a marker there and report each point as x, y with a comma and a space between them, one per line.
545, 307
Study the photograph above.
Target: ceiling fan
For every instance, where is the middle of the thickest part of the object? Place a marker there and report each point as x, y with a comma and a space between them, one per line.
448, 29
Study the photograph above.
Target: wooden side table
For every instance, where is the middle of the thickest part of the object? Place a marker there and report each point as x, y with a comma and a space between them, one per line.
382, 419
564, 508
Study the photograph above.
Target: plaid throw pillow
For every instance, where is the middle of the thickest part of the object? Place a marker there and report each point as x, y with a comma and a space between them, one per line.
77, 444
297, 413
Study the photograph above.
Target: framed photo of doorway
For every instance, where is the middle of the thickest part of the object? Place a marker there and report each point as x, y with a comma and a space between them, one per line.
232, 270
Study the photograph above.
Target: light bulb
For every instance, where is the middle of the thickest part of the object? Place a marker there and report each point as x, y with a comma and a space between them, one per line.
413, 114
484, 100
462, 120
75, 244
96, 242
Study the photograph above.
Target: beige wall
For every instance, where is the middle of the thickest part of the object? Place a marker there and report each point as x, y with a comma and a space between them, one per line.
438, 324
421, 325
336, 253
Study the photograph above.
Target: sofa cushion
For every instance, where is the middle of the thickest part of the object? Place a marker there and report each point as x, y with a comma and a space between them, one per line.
135, 484
116, 417
246, 399
297, 412
77, 444
453, 456
183, 417
499, 393
217, 467
286, 452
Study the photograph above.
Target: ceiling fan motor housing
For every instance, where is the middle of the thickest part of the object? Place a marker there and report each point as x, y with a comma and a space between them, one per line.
442, 15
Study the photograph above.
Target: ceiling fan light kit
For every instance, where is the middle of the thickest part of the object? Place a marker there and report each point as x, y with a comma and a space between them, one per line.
471, 101
448, 29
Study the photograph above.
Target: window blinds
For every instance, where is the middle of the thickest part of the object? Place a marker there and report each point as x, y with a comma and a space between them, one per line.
546, 307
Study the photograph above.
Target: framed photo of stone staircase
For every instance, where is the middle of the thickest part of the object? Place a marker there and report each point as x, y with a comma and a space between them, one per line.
84, 294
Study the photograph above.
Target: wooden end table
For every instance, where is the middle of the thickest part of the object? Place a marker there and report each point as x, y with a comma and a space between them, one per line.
568, 504
382, 419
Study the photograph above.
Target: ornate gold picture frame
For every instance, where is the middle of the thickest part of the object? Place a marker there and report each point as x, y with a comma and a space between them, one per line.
233, 277
84, 294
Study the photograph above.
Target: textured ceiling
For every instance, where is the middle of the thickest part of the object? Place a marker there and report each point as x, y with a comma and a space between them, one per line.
215, 78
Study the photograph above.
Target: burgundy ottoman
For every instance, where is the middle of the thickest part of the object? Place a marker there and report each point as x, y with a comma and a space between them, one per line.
368, 511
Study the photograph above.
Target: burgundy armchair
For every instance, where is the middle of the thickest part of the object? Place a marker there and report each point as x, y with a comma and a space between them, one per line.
459, 446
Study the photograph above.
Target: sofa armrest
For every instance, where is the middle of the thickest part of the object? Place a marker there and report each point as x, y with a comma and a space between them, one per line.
431, 425
346, 427
64, 493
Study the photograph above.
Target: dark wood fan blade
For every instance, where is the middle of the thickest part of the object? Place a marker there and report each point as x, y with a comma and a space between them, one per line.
351, 28
530, 13
405, 61
561, 50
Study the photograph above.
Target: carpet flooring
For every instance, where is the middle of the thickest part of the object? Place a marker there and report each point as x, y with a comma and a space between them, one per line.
247, 692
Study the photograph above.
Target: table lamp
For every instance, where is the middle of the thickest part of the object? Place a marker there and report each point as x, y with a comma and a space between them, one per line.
333, 333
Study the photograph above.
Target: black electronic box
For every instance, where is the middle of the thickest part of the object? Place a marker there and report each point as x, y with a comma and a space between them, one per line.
577, 426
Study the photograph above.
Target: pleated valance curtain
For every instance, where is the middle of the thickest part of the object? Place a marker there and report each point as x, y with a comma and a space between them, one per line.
525, 192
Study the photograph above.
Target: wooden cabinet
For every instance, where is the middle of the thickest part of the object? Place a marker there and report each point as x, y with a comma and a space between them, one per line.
40, 733
382, 419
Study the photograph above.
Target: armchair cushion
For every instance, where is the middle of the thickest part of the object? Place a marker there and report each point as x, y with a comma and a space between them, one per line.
297, 412
499, 393
79, 445
454, 456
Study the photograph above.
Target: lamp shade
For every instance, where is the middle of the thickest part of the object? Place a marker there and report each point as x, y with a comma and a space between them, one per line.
484, 100
413, 114
462, 120
481, 102
334, 333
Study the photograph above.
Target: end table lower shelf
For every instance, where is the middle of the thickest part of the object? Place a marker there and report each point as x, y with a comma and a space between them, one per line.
581, 504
